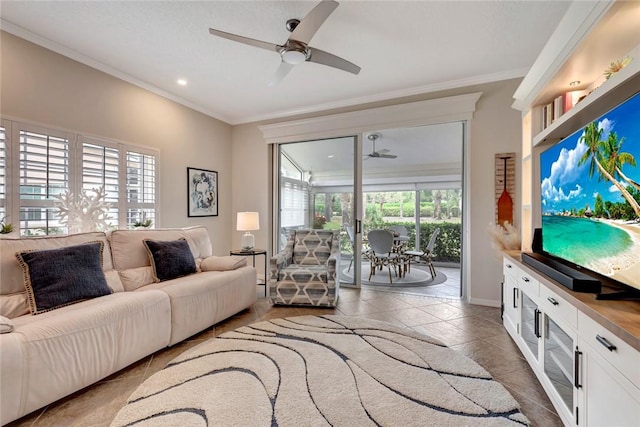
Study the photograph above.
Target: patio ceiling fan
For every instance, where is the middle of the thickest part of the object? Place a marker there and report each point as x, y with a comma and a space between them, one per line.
382, 154
296, 50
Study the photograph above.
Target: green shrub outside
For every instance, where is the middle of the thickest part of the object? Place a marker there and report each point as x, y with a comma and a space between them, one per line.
426, 210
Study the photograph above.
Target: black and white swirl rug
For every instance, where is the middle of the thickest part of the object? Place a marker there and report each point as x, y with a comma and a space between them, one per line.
321, 371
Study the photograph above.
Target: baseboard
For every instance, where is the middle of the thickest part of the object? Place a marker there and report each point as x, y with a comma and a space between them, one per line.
486, 302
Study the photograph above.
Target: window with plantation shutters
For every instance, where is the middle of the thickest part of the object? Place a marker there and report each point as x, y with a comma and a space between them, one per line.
37, 164
43, 173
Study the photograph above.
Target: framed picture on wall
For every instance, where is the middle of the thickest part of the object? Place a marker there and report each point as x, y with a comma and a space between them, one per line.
202, 192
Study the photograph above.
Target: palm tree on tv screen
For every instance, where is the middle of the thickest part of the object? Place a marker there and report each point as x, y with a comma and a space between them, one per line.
615, 159
601, 152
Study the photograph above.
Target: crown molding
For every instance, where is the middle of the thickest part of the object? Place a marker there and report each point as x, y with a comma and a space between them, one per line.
384, 96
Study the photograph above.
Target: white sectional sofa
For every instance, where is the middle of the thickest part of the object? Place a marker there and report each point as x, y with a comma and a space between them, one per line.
53, 354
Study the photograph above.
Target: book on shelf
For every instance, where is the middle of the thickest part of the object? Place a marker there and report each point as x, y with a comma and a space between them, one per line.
547, 115
560, 105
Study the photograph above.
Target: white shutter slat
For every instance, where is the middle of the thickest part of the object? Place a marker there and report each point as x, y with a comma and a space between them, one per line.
95, 174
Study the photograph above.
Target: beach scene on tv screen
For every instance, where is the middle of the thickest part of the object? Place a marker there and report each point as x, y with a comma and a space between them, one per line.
590, 195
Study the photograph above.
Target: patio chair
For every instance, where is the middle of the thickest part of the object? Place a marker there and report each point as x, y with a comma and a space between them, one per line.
306, 271
426, 255
381, 252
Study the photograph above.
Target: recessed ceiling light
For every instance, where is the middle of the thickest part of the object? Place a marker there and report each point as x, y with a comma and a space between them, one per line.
574, 83
181, 82
330, 156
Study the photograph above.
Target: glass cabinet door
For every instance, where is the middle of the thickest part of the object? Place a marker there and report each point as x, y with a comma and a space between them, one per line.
558, 361
529, 324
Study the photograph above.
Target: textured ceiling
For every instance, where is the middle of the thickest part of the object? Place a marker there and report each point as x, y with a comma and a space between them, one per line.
403, 47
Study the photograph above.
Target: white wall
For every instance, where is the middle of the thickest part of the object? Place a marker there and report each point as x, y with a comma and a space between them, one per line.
38, 85
495, 127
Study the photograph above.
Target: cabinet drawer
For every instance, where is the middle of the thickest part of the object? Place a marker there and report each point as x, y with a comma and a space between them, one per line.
557, 307
528, 284
509, 267
624, 357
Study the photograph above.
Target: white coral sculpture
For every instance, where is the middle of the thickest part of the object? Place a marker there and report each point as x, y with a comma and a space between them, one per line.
504, 237
83, 212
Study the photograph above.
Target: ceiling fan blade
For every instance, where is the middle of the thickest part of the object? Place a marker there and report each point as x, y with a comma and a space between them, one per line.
244, 40
282, 71
310, 24
325, 58
388, 156
383, 151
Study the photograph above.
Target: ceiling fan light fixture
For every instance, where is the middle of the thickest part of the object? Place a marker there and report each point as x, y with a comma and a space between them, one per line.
296, 49
373, 137
294, 56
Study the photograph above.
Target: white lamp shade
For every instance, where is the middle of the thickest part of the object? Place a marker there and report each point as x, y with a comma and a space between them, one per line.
248, 221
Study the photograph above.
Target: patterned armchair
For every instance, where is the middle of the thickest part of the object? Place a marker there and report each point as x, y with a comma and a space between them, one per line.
306, 271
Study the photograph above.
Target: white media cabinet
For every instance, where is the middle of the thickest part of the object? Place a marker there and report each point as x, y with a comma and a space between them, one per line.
585, 352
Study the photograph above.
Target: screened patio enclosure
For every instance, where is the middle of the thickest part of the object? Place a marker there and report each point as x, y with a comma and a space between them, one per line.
417, 183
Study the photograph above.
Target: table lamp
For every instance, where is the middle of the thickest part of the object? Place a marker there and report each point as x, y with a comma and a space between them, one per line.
248, 221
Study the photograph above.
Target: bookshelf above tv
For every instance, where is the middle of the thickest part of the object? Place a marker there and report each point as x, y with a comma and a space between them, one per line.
613, 91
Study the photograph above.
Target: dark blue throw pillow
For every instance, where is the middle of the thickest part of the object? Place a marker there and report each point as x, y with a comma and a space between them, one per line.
170, 259
58, 277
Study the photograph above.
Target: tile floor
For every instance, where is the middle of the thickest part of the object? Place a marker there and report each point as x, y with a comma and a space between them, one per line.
474, 330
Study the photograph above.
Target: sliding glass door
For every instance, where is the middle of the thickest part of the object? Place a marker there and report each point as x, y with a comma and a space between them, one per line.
316, 183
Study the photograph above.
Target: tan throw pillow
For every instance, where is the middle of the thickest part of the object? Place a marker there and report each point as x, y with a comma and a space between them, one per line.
14, 305
6, 325
222, 263
134, 278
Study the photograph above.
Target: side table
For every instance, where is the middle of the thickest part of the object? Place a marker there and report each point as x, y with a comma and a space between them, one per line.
252, 253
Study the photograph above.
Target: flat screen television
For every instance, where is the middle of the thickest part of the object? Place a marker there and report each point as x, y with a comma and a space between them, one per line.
590, 197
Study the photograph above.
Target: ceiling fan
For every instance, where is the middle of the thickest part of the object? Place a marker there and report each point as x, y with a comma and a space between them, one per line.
296, 49
382, 154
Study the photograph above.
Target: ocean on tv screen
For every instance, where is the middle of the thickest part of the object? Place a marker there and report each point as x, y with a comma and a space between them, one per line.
590, 195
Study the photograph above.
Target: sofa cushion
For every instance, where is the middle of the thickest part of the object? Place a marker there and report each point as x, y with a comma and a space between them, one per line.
203, 299
129, 251
72, 347
222, 263
170, 259
58, 277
